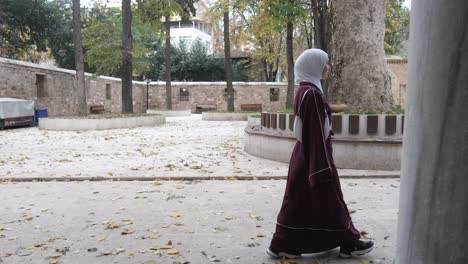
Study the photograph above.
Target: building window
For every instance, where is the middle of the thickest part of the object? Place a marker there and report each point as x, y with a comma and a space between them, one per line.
274, 94
40, 85
108, 91
184, 95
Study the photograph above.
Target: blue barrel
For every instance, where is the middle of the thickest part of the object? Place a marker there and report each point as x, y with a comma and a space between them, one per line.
39, 113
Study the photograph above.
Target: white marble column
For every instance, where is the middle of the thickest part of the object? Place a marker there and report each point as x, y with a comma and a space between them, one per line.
433, 217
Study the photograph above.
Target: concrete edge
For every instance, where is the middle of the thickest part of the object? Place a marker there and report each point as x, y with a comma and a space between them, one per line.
216, 116
170, 113
288, 135
181, 178
76, 124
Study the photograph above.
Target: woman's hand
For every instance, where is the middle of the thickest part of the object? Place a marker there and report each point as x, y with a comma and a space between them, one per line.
336, 108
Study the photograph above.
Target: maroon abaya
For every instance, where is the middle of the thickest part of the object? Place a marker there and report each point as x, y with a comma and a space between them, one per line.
313, 216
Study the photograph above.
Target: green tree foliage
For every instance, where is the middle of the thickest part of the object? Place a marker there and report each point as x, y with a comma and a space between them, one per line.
102, 40
396, 25
25, 25
192, 64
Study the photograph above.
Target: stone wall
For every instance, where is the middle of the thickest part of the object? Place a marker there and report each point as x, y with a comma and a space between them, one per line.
58, 93
212, 94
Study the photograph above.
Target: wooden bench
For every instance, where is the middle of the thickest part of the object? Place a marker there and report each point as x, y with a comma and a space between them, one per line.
97, 109
251, 107
203, 108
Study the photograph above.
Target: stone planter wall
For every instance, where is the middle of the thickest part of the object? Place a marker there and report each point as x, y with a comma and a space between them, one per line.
86, 124
170, 113
345, 126
219, 116
360, 142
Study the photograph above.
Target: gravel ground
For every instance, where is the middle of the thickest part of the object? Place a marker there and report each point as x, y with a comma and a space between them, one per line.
184, 146
206, 221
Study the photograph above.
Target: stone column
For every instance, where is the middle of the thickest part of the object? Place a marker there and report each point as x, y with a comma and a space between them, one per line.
433, 220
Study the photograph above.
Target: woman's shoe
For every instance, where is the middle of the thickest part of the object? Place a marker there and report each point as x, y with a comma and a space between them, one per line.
275, 253
356, 248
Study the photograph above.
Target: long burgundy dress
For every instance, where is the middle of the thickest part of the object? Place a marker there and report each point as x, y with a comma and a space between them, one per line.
313, 216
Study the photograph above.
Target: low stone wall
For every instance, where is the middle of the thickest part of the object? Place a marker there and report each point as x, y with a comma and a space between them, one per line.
170, 113
254, 120
55, 89
360, 142
381, 127
217, 116
86, 124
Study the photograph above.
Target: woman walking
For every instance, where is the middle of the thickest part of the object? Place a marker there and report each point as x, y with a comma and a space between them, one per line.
314, 216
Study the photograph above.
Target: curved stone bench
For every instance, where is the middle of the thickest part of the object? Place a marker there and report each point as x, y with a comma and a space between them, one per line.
217, 116
99, 123
170, 113
364, 142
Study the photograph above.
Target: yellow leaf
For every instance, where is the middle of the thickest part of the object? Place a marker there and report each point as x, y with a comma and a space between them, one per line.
172, 252
176, 215
166, 247
154, 236
110, 173
53, 261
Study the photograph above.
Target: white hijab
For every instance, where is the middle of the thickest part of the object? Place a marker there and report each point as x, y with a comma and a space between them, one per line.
309, 66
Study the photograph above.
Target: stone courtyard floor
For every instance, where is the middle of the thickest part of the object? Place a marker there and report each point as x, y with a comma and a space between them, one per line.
206, 221
183, 147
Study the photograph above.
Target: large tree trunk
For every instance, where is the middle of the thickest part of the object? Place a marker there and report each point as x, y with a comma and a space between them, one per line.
290, 59
79, 61
322, 35
360, 76
167, 52
228, 64
127, 67
321, 19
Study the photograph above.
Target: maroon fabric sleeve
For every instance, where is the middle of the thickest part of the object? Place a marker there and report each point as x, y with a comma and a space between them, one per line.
316, 155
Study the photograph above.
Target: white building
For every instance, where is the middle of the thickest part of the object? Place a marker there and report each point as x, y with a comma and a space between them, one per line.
197, 29
190, 32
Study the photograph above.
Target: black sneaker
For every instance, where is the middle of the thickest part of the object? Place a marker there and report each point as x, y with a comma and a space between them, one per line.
274, 253
356, 248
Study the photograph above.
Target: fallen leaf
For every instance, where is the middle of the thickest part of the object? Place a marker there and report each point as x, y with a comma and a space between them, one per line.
119, 250
256, 217
167, 246
172, 252
219, 229
127, 232
110, 174
53, 261
24, 253
154, 236
176, 215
